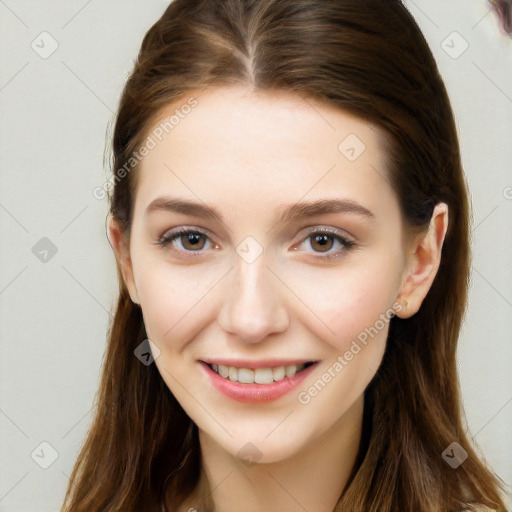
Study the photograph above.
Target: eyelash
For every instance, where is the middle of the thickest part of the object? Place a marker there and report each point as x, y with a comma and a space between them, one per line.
167, 239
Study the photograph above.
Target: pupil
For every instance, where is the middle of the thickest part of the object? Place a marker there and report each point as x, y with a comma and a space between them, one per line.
193, 238
322, 240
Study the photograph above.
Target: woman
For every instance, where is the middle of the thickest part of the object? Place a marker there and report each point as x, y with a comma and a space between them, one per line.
290, 220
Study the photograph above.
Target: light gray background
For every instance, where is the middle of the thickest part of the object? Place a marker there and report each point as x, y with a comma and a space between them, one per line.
54, 314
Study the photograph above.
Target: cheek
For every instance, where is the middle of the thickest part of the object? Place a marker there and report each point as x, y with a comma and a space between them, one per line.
348, 304
175, 301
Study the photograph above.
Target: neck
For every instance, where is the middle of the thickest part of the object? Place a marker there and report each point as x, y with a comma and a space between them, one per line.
312, 479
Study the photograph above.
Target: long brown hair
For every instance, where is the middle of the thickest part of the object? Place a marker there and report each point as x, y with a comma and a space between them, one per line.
369, 58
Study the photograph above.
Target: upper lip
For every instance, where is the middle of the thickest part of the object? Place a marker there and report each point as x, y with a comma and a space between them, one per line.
262, 363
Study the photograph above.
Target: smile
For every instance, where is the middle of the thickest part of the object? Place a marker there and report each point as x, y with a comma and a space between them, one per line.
258, 375
260, 384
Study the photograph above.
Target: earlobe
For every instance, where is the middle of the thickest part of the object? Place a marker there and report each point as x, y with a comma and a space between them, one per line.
118, 243
423, 263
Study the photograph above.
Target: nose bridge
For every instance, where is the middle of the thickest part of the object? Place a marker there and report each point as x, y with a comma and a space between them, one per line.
253, 306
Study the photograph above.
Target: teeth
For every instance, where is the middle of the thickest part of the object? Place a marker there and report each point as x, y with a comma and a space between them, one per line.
261, 376
244, 375
290, 370
279, 372
258, 375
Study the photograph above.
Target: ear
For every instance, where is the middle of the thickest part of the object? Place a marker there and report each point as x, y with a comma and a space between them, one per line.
119, 244
423, 260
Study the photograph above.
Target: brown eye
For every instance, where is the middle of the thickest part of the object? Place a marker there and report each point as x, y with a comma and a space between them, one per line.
192, 241
322, 242
184, 240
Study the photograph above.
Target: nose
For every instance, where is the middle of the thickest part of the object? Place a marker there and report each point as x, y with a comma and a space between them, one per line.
253, 307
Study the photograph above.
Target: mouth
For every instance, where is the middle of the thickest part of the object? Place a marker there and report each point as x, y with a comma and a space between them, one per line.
257, 374
256, 382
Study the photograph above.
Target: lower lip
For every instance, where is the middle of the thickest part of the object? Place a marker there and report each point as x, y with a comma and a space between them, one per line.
254, 393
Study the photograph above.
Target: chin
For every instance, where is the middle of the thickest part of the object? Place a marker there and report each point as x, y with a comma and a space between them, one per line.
263, 451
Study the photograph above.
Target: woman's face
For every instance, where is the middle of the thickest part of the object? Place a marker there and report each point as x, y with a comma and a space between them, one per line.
264, 282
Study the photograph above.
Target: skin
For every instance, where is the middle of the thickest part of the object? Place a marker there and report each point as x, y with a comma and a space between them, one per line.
248, 154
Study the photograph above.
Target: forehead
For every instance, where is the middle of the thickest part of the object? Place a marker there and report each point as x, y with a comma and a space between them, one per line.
239, 144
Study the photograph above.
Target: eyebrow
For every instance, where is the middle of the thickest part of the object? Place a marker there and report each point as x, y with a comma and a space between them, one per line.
290, 213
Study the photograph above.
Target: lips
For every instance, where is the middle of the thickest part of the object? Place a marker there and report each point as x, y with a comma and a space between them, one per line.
252, 391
